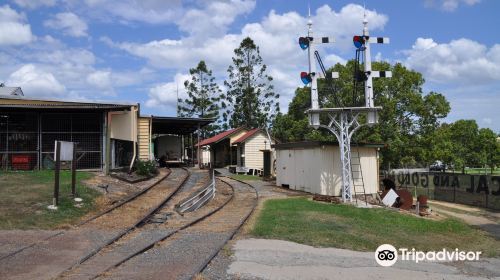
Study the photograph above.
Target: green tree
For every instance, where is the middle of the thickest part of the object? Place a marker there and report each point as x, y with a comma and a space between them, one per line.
250, 99
203, 98
489, 148
465, 135
406, 123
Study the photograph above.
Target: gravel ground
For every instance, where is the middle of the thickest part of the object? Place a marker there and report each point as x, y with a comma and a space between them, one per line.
218, 267
185, 253
49, 258
140, 237
117, 189
13, 240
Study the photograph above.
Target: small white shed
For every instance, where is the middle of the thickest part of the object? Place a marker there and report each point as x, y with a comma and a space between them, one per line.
249, 149
314, 167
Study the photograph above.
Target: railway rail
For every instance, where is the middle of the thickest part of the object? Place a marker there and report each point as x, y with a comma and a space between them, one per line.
92, 235
98, 215
187, 251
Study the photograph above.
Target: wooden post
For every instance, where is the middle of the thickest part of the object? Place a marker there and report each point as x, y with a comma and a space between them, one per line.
192, 149
198, 153
55, 200
73, 172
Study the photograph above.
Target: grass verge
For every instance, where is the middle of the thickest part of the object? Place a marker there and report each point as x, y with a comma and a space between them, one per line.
342, 226
24, 197
245, 177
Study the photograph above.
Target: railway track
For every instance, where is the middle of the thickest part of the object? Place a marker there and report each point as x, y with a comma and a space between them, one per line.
113, 207
146, 237
187, 250
46, 259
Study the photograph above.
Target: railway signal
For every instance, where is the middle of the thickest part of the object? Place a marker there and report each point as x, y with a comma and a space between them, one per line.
308, 43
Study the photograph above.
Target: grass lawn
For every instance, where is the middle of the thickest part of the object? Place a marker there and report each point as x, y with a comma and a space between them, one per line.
24, 197
245, 177
482, 171
477, 171
342, 226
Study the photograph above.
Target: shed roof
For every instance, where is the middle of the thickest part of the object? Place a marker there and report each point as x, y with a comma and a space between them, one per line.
15, 101
312, 144
219, 137
11, 91
247, 135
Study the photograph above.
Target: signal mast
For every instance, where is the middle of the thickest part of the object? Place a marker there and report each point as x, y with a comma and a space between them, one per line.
343, 121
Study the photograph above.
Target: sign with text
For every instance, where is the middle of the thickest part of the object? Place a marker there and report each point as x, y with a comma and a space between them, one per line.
66, 151
478, 190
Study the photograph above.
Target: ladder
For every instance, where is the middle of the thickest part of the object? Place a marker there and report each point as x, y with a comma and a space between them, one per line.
358, 183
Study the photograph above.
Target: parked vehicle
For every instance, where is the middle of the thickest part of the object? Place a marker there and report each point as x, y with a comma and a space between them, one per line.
437, 166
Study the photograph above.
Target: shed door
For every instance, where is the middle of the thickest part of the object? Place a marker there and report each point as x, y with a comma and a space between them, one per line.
299, 170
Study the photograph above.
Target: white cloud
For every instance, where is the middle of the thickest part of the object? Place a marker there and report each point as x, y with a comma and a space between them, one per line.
69, 23
459, 61
36, 82
276, 35
450, 5
165, 95
214, 18
100, 79
13, 27
487, 121
32, 4
148, 11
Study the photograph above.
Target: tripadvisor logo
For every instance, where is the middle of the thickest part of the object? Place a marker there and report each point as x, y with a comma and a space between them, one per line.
387, 255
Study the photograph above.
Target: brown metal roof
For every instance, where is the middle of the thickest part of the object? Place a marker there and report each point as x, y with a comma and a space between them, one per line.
219, 137
67, 106
247, 135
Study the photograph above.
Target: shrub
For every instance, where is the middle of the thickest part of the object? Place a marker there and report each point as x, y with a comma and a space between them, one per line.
145, 167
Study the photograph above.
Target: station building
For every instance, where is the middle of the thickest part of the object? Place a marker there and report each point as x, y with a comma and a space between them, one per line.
108, 134
240, 149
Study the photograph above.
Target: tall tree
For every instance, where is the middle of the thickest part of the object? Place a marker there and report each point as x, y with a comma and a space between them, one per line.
250, 100
203, 98
489, 148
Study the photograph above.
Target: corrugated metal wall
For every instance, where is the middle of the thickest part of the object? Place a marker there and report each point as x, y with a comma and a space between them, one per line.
317, 169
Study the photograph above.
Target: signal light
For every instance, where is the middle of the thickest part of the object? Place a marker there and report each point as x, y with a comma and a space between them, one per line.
304, 42
358, 41
306, 77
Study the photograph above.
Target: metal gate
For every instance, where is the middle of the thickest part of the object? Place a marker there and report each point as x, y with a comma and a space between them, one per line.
27, 138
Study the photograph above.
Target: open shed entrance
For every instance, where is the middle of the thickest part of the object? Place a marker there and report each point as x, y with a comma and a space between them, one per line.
174, 139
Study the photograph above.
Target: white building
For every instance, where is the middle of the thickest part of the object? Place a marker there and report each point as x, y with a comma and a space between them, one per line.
250, 147
315, 167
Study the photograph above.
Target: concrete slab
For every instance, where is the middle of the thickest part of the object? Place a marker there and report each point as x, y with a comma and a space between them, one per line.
277, 259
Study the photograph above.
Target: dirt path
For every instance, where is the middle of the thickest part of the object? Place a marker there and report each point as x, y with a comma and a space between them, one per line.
48, 259
481, 218
186, 252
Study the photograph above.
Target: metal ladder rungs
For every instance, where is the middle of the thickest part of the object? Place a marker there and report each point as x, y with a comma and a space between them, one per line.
355, 180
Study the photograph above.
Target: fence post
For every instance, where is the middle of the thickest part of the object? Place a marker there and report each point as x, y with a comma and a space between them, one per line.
55, 199
73, 172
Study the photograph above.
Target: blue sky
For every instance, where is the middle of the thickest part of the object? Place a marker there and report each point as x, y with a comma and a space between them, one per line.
141, 51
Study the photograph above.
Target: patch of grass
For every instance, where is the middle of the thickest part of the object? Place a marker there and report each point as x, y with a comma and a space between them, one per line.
476, 171
24, 197
342, 226
245, 177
